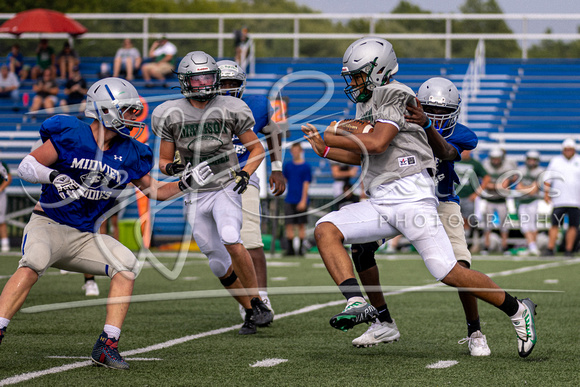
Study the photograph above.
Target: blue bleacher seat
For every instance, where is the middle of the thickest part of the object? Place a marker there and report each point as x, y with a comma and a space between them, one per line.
521, 103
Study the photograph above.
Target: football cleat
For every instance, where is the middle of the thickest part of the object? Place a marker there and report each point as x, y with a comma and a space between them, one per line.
91, 288
378, 332
477, 344
356, 312
249, 326
263, 316
525, 326
266, 301
106, 354
2, 333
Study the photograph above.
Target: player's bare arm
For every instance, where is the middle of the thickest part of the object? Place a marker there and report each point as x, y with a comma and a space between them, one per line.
166, 155
45, 154
257, 153
375, 142
336, 154
274, 140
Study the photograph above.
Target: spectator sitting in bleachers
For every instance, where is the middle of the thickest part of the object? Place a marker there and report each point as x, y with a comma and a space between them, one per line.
9, 86
67, 59
15, 62
76, 91
127, 60
46, 90
163, 55
45, 59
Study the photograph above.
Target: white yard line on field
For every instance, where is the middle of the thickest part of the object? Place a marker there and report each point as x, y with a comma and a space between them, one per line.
31, 375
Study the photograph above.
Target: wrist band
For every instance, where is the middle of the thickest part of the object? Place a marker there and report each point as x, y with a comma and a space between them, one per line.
326, 150
276, 166
428, 125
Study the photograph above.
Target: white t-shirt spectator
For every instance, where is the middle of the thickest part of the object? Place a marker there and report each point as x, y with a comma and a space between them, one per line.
564, 177
167, 49
125, 53
10, 80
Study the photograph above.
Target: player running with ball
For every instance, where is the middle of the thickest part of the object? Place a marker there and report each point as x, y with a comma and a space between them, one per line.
398, 162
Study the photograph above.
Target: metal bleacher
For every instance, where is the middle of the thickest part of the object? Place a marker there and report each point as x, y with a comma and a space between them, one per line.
520, 105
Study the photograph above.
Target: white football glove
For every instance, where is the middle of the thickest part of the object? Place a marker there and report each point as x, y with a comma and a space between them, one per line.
195, 177
68, 187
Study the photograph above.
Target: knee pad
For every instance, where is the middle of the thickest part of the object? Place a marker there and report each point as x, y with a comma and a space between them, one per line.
363, 255
229, 280
219, 265
230, 235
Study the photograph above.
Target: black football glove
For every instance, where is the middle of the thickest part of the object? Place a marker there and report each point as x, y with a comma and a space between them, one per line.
242, 179
174, 169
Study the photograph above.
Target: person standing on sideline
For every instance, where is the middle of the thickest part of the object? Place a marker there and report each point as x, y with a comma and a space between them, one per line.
233, 83
397, 159
472, 177
298, 173
502, 174
5, 181
201, 127
241, 45
82, 167
562, 187
528, 190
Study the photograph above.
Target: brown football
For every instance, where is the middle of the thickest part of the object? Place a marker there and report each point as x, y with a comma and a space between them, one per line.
354, 126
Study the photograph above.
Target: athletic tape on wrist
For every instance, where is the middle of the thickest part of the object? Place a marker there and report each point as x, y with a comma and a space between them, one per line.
276, 166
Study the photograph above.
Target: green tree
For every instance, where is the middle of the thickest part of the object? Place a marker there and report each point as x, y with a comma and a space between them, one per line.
493, 48
555, 49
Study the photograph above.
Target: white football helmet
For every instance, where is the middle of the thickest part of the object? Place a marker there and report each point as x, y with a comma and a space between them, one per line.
229, 70
107, 101
373, 57
442, 103
532, 159
199, 76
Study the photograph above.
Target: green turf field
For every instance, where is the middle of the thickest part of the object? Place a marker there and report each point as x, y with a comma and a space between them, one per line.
189, 337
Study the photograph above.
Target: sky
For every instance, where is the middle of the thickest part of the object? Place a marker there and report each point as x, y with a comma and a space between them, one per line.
452, 6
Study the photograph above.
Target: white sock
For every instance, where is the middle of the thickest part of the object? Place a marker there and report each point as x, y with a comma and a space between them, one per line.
518, 314
4, 322
533, 246
5, 242
263, 294
112, 331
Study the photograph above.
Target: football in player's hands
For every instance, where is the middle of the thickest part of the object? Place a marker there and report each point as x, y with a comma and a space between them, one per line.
354, 126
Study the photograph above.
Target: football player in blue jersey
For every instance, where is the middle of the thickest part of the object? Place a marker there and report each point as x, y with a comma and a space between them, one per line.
233, 82
82, 168
437, 113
